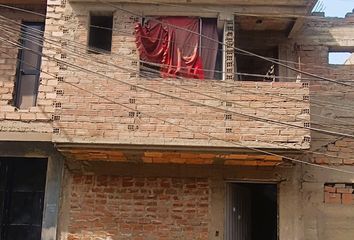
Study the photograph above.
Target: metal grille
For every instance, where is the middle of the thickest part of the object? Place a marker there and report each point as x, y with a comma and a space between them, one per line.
22, 184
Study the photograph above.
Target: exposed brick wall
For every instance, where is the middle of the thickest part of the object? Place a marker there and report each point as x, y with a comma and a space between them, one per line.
339, 193
340, 152
94, 114
112, 207
34, 119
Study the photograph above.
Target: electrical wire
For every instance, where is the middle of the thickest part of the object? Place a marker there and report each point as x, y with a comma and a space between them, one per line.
320, 103
211, 39
204, 134
240, 89
235, 48
211, 96
240, 74
266, 120
163, 65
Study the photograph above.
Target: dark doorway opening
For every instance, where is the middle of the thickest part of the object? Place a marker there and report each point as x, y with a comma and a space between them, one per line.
22, 185
251, 212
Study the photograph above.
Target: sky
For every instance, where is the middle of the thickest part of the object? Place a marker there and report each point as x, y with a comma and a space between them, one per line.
337, 8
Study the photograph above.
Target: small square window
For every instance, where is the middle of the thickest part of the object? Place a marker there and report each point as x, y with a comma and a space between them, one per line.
100, 35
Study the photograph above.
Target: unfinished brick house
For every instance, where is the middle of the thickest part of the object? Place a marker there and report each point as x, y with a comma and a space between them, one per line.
175, 120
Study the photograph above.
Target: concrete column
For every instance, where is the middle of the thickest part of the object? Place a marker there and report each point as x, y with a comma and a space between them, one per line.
51, 199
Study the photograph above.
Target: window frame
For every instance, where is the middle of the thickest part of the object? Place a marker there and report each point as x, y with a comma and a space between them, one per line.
10, 190
351, 54
93, 49
19, 69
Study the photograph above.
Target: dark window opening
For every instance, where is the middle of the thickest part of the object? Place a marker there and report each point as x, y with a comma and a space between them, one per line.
258, 69
22, 185
251, 212
260, 42
29, 65
100, 35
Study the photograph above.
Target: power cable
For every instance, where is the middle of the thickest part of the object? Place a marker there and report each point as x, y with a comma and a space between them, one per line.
320, 103
258, 93
235, 48
211, 39
207, 135
270, 121
204, 94
241, 74
317, 153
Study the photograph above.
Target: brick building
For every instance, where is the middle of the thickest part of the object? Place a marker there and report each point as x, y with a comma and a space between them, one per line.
103, 137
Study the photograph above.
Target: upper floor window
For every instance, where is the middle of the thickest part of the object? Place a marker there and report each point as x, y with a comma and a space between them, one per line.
179, 46
341, 58
100, 34
29, 65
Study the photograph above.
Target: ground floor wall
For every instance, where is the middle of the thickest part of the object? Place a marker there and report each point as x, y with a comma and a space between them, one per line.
22, 211
105, 200
328, 212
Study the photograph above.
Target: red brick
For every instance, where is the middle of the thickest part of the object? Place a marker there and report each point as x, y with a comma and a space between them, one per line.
344, 190
146, 208
334, 198
347, 198
330, 189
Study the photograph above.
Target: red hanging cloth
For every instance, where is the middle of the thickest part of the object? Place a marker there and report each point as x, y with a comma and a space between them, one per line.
166, 42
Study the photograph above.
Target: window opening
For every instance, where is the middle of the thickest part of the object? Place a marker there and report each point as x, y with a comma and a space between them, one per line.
251, 211
341, 58
169, 51
254, 66
22, 185
100, 34
257, 36
28, 69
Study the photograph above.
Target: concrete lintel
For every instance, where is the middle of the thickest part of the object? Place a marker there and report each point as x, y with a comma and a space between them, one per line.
62, 147
25, 136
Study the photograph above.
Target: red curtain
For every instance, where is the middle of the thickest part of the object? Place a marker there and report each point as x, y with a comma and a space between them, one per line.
165, 41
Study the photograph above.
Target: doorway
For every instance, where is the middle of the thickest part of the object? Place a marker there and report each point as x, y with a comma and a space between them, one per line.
251, 211
22, 186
